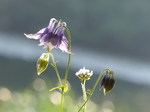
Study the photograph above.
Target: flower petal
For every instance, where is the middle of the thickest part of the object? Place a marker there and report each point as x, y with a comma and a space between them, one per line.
64, 46
32, 36
51, 24
49, 46
41, 31
36, 35
58, 30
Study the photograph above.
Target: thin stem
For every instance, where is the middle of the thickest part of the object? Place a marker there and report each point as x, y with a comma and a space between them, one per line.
58, 76
56, 69
67, 68
62, 100
98, 79
84, 94
69, 55
93, 89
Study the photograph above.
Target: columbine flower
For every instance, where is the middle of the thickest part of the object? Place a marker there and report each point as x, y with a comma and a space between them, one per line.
108, 82
84, 74
52, 36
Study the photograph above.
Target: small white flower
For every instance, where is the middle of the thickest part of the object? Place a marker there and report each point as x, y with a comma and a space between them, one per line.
84, 74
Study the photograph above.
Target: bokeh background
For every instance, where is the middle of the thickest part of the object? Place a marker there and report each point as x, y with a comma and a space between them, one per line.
112, 34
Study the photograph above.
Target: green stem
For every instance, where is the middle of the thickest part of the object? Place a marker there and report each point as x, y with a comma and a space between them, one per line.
67, 68
98, 79
93, 89
56, 69
58, 76
62, 100
84, 94
69, 56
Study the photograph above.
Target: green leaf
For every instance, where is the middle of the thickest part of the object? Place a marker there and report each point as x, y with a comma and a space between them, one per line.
62, 87
89, 92
65, 88
54, 64
55, 88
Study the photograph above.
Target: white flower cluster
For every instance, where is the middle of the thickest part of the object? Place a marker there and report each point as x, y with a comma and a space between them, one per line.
84, 74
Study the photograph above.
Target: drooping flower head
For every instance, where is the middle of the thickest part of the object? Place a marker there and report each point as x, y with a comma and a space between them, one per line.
108, 82
84, 74
52, 36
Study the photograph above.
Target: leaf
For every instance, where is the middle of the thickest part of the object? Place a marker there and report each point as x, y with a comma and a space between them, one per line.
55, 88
65, 88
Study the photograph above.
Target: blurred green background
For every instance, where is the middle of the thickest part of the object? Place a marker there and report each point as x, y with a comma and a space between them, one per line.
105, 34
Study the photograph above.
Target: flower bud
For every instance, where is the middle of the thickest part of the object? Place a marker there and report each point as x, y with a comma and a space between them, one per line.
42, 63
108, 82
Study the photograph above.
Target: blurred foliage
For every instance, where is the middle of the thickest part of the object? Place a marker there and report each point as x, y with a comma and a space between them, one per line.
106, 23
36, 98
22, 90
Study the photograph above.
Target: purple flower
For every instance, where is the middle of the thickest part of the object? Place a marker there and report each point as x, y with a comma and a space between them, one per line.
108, 82
52, 36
